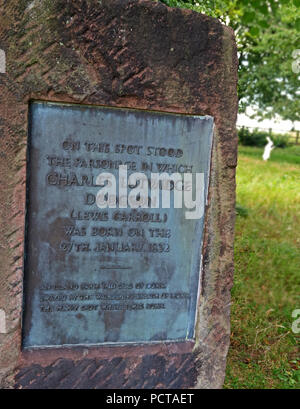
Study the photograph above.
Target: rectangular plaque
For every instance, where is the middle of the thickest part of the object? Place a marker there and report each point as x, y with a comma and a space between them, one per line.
110, 275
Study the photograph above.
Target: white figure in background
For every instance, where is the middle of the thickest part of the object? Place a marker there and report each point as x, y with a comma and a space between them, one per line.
268, 148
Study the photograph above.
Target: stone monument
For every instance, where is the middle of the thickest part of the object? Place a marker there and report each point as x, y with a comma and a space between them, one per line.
117, 171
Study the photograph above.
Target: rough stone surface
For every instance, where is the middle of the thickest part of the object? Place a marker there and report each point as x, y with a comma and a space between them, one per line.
122, 53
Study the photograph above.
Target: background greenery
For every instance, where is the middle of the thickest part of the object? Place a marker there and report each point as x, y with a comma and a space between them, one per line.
264, 352
259, 138
267, 33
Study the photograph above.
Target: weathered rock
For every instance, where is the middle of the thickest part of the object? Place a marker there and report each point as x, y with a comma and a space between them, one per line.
119, 53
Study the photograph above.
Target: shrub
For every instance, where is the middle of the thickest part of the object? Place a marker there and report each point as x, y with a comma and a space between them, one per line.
252, 138
280, 141
259, 138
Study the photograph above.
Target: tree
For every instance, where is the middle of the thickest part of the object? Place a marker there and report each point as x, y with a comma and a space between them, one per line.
267, 33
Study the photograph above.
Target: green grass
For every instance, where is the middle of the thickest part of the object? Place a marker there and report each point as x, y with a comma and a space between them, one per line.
264, 352
287, 155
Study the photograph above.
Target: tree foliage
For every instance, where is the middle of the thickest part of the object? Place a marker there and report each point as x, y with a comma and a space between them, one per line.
268, 37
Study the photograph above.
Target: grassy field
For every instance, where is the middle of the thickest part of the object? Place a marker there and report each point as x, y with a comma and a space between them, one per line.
264, 351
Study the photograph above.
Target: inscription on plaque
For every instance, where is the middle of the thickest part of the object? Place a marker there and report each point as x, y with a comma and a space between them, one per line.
99, 274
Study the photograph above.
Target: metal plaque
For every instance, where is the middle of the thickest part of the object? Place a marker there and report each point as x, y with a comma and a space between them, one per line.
120, 273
